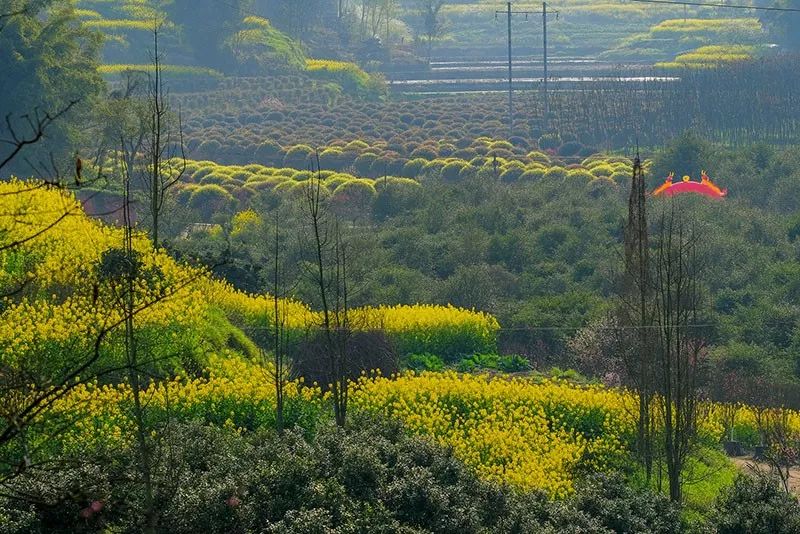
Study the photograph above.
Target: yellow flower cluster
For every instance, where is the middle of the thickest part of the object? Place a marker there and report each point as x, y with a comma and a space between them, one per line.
740, 26
441, 330
742, 422
423, 317
415, 329
236, 393
515, 431
710, 56
50, 270
528, 433
65, 299
257, 310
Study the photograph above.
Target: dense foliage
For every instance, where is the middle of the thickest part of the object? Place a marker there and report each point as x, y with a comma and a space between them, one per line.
528, 240
451, 347
48, 61
60, 293
755, 504
371, 478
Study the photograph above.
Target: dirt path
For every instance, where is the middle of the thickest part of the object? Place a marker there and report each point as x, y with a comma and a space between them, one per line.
746, 463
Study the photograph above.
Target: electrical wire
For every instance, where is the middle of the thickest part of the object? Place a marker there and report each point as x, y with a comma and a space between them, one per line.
727, 6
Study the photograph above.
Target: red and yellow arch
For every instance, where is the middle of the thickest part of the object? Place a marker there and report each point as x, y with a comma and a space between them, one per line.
704, 187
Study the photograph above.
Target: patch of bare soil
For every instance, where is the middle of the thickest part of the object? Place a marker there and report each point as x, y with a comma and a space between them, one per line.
748, 464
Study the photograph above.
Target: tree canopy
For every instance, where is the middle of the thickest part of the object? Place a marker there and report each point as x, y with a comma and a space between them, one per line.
49, 65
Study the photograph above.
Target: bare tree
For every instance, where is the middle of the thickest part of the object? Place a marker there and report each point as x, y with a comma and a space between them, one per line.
782, 450
376, 15
679, 342
329, 275
123, 269
36, 124
163, 147
130, 274
281, 368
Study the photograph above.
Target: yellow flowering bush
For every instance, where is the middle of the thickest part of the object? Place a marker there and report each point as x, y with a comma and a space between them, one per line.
447, 331
531, 433
515, 431
732, 26
710, 56
348, 75
58, 302
235, 394
66, 302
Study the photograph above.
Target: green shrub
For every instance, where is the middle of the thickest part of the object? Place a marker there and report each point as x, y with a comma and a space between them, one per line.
549, 141
349, 76
506, 363
570, 148
452, 171
424, 362
208, 200
316, 477
335, 159
601, 186
580, 174
603, 170
512, 174
355, 190
756, 504
539, 157
269, 152
434, 168
476, 362
413, 168
395, 195
298, 156
555, 173
514, 363
259, 48
357, 145
363, 163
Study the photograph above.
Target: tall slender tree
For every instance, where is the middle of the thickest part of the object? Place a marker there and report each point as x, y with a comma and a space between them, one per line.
329, 275
430, 24
636, 315
680, 343
163, 147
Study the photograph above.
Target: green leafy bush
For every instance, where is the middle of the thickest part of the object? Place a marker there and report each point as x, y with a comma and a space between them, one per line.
371, 477
755, 504
258, 47
495, 362
349, 76
211, 199
424, 362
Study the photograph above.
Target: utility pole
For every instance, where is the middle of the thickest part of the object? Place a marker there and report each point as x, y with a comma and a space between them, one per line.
509, 13
545, 78
510, 80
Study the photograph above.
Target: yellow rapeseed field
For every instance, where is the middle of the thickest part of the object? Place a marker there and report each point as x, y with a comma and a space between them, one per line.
58, 249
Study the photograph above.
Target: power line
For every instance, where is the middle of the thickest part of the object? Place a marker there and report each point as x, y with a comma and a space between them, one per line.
509, 12
726, 6
552, 328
